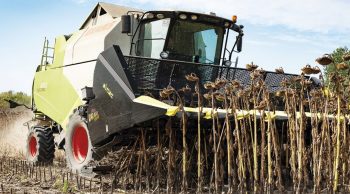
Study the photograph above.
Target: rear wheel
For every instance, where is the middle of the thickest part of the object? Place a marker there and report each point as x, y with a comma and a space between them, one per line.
78, 146
40, 145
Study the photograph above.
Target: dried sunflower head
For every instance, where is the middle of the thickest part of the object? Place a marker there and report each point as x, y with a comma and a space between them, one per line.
219, 97
342, 66
307, 70
325, 59
307, 82
192, 77
279, 70
169, 90
207, 96
256, 73
316, 70
346, 57
261, 71
185, 89
251, 67
296, 78
163, 95
166, 92
209, 85
219, 83
235, 83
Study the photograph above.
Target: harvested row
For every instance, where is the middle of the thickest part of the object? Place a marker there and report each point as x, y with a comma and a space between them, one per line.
21, 176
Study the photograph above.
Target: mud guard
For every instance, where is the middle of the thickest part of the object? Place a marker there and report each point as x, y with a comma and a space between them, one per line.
113, 110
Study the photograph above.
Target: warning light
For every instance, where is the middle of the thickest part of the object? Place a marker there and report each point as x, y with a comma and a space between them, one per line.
234, 18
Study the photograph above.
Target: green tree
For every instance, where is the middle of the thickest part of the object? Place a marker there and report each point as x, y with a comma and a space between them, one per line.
19, 97
337, 55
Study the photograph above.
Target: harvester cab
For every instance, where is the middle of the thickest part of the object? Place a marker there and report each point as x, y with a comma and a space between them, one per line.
181, 42
182, 36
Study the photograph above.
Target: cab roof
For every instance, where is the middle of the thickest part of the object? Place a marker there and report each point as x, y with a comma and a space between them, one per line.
115, 11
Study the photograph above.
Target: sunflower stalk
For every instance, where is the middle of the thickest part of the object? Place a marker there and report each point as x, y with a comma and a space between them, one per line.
229, 144
336, 162
269, 146
184, 143
301, 128
194, 78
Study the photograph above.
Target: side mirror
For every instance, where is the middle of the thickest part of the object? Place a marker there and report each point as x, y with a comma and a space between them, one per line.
126, 24
239, 38
239, 43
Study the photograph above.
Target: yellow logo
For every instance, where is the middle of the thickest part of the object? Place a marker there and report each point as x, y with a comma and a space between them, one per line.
93, 116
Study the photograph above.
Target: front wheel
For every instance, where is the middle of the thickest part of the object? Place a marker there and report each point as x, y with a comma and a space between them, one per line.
40, 145
78, 146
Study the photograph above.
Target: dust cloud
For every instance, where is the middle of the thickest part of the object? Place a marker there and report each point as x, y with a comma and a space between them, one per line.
12, 131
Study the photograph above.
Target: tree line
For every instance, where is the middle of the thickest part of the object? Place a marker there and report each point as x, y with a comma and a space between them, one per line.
19, 97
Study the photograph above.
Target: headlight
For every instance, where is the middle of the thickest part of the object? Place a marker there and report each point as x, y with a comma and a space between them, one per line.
194, 17
227, 63
183, 16
160, 16
150, 15
164, 54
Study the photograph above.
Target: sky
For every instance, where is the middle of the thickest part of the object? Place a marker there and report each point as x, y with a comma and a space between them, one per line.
278, 33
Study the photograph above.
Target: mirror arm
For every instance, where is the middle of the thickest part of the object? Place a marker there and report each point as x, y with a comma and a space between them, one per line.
229, 52
232, 50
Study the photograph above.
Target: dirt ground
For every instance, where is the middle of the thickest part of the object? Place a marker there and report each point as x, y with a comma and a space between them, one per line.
12, 151
12, 148
17, 176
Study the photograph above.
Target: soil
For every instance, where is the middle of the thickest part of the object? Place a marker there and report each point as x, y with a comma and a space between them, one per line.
18, 176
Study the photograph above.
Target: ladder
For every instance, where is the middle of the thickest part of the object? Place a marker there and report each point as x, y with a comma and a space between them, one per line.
46, 58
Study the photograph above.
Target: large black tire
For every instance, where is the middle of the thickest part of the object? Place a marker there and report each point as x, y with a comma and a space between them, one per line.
78, 146
40, 145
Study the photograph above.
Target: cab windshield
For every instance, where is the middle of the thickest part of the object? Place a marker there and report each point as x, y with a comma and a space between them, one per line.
187, 40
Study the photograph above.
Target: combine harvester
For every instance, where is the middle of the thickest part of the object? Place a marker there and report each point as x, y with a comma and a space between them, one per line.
160, 83
105, 79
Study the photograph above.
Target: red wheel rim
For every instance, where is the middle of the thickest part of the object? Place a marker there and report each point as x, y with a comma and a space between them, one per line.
80, 143
32, 146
